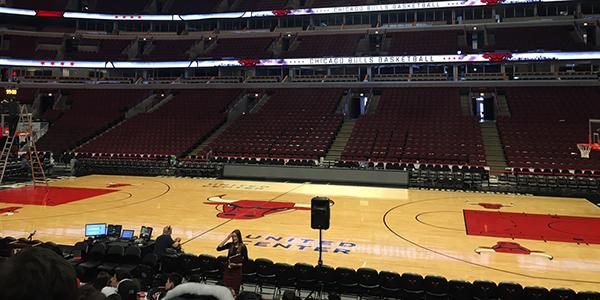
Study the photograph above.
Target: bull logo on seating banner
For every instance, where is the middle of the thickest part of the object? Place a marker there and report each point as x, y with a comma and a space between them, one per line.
492, 2
497, 57
253, 209
248, 62
9, 211
281, 12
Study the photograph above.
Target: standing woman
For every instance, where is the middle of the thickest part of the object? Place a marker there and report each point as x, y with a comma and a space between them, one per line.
236, 256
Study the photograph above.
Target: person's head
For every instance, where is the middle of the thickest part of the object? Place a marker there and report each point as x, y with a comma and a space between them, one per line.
52, 246
248, 296
88, 292
288, 295
102, 280
173, 280
117, 277
237, 237
167, 230
37, 274
128, 290
333, 296
114, 297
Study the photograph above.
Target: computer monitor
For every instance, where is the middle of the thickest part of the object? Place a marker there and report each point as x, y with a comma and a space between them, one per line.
127, 234
92, 230
114, 230
146, 233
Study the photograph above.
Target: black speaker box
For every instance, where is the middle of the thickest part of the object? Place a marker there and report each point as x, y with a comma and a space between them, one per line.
319, 213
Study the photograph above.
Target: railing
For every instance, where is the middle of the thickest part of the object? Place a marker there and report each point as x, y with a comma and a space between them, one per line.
411, 77
263, 79
486, 76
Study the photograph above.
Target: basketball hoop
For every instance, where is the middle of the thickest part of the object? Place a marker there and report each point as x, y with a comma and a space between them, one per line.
593, 143
22, 135
584, 150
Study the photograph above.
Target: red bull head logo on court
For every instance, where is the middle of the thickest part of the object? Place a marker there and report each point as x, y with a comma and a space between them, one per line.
253, 209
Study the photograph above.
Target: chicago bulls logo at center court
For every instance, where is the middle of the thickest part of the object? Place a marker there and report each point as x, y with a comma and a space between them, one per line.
253, 209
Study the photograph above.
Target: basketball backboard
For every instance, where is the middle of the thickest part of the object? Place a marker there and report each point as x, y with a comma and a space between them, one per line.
593, 142
594, 133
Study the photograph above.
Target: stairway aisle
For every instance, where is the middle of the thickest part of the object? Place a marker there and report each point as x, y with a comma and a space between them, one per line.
340, 141
494, 153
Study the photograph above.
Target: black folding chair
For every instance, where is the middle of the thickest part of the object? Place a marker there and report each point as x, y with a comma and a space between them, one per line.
368, 282
390, 285
412, 286
436, 287
265, 272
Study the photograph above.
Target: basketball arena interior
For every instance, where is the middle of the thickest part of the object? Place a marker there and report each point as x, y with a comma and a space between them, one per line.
400, 149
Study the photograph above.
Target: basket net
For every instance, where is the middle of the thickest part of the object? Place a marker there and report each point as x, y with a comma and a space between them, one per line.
585, 149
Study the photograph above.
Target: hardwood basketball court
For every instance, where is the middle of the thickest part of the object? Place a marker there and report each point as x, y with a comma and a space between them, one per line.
545, 241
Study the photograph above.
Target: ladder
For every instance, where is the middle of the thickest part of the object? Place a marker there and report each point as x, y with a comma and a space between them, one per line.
25, 123
6, 154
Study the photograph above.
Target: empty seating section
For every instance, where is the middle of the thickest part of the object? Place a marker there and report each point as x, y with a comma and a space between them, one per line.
253, 48
323, 45
121, 7
52, 115
190, 7
294, 123
16, 46
97, 49
417, 125
47, 47
172, 129
424, 42
546, 124
532, 38
91, 111
331, 3
304, 45
26, 96
169, 50
249, 5
42, 5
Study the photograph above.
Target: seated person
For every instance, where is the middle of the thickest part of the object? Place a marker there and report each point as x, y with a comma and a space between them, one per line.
37, 274
129, 290
118, 277
103, 279
88, 292
173, 280
193, 290
165, 244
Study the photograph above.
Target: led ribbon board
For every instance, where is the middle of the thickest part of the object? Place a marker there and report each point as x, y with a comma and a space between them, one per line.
274, 13
321, 61
17, 11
